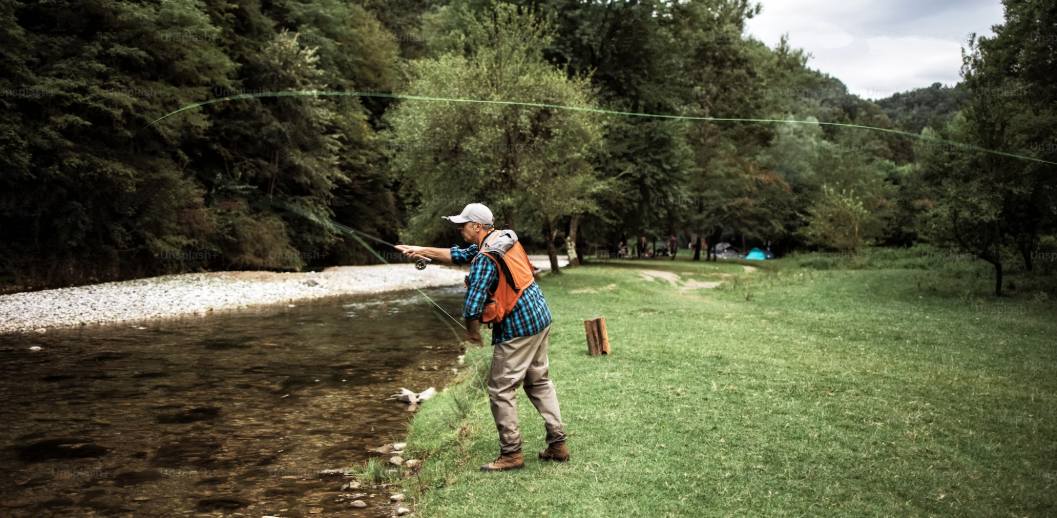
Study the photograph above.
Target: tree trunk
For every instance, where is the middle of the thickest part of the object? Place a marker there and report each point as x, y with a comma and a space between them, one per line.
713, 240
998, 278
697, 248
597, 336
1025, 252
552, 251
574, 227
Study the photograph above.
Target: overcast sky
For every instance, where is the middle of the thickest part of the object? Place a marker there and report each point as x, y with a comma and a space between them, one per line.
879, 47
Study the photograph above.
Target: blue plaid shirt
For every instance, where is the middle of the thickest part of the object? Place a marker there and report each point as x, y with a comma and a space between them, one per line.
529, 316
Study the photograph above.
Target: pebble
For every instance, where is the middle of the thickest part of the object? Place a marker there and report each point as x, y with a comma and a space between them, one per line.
412, 463
396, 460
398, 446
399, 497
193, 293
35, 348
359, 504
400, 511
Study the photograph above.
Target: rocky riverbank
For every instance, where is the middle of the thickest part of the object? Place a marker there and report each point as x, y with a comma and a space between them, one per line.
193, 294
201, 293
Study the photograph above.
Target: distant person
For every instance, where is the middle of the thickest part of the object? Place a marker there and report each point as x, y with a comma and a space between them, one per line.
622, 249
521, 324
673, 246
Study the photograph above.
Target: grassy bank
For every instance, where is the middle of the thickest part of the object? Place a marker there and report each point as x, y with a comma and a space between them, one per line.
787, 390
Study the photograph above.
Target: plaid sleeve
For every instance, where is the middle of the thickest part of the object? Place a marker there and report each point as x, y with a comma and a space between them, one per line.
463, 255
482, 275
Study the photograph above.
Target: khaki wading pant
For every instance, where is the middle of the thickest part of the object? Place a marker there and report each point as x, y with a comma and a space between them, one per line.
522, 359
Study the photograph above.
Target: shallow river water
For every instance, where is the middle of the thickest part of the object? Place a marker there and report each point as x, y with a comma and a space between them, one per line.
227, 414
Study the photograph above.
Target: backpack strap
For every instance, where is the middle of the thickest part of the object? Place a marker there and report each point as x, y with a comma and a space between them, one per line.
498, 258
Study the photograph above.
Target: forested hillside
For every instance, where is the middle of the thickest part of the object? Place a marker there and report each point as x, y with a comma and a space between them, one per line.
91, 190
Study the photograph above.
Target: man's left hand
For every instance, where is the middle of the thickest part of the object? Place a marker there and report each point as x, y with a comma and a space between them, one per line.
473, 331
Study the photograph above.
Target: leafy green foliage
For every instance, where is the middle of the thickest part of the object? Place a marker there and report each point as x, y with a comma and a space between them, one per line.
90, 191
531, 165
837, 220
985, 204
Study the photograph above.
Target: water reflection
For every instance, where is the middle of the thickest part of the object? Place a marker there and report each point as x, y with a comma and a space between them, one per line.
236, 412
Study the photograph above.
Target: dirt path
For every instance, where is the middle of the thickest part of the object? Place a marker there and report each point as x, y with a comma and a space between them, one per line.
673, 279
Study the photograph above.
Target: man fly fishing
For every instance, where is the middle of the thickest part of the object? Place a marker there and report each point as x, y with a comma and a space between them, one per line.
502, 291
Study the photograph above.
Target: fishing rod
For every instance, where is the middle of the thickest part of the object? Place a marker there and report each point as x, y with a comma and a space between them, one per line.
420, 263
355, 234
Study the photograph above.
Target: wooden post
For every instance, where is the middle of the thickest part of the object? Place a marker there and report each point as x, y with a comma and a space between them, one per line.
597, 337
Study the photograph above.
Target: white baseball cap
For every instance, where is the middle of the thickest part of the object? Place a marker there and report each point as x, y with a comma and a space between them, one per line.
475, 212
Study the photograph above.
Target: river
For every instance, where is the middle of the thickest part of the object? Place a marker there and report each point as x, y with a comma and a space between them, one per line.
225, 414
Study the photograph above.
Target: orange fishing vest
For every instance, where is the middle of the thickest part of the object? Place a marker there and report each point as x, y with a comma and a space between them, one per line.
515, 274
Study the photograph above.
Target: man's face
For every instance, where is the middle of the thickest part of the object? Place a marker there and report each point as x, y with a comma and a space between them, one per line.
469, 231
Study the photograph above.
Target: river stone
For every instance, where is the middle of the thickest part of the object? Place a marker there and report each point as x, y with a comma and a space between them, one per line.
399, 497
359, 504
396, 460
400, 511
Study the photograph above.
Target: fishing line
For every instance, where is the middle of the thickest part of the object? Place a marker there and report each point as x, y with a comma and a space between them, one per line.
384, 95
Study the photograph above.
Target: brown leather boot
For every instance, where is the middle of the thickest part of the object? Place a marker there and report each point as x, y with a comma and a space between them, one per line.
505, 461
557, 452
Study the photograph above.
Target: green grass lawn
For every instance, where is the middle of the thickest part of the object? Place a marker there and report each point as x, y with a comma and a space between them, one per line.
783, 391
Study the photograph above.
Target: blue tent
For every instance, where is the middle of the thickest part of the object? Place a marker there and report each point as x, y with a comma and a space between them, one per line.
756, 255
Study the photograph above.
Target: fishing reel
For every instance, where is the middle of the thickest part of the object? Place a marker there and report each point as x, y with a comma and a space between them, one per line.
420, 264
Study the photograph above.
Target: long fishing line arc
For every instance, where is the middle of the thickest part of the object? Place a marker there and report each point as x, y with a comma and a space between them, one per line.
407, 97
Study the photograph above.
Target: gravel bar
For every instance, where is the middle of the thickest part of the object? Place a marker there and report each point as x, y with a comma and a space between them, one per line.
199, 293
193, 294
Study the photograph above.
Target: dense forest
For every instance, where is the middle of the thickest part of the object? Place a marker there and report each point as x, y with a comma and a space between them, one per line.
92, 190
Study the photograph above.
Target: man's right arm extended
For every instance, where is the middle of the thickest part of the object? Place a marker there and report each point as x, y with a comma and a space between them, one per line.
440, 255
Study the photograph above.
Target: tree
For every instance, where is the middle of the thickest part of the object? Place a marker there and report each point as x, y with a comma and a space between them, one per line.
979, 202
631, 54
85, 195
532, 164
964, 202
837, 221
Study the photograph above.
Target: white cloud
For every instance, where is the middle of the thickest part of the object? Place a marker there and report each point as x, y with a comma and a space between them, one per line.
878, 47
